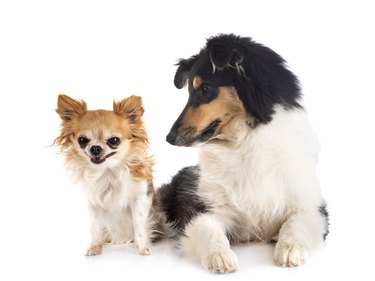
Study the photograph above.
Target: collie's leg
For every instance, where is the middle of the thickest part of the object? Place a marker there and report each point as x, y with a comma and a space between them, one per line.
205, 241
297, 236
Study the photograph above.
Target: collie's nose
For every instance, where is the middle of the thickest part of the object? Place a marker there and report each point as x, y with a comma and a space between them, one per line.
171, 138
96, 150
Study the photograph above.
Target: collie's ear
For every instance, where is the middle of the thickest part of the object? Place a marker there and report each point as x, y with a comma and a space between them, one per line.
183, 71
69, 108
131, 108
224, 53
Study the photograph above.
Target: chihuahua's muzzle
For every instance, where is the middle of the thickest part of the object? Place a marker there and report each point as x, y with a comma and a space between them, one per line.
96, 154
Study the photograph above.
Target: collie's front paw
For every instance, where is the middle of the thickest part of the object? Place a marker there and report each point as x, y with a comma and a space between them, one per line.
144, 251
290, 254
94, 250
223, 261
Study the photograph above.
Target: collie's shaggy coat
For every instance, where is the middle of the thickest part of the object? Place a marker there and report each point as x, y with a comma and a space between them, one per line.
256, 178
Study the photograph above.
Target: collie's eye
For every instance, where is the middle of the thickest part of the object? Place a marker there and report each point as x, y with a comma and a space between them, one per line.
204, 89
114, 141
83, 141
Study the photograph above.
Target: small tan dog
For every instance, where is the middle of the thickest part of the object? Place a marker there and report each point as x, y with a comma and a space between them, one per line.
108, 152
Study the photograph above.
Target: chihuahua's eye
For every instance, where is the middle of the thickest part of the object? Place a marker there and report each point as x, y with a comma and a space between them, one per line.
83, 141
114, 141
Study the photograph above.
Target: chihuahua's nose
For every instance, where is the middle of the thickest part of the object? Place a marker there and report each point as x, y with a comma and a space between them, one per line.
96, 150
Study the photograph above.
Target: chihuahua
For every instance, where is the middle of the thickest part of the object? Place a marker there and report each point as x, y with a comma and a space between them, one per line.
108, 152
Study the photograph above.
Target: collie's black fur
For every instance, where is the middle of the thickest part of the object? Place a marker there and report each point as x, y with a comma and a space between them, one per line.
259, 74
178, 199
323, 210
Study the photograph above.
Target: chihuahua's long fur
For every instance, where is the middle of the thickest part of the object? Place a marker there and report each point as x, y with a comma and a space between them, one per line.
108, 152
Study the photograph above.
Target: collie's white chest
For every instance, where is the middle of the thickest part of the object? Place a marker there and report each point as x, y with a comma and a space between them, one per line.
267, 172
240, 182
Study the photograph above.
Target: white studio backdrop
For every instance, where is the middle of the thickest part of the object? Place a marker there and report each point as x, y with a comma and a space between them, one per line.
105, 50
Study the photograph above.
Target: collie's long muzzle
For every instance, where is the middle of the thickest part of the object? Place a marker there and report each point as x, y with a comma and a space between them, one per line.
188, 136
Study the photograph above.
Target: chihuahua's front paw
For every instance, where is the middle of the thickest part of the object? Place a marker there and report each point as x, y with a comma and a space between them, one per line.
290, 254
144, 250
94, 250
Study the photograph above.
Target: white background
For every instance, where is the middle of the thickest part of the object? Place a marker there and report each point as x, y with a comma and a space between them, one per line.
101, 50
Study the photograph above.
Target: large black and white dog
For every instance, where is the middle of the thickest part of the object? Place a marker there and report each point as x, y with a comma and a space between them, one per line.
256, 178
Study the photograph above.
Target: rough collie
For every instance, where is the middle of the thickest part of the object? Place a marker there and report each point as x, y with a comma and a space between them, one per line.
256, 179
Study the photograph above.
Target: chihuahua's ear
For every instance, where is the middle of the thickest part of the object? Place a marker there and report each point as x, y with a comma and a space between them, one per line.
131, 108
225, 51
69, 108
183, 71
